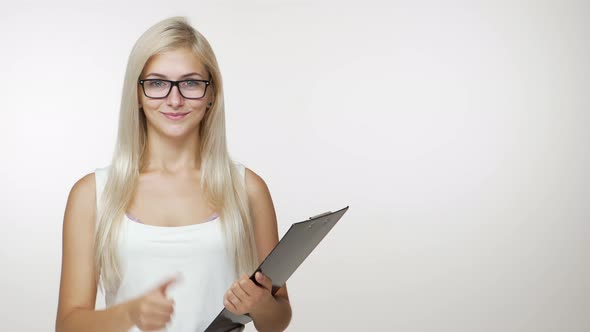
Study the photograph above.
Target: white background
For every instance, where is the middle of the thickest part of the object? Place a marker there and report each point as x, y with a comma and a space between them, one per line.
456, 131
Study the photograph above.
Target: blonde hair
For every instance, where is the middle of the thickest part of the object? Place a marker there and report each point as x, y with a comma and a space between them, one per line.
221, 181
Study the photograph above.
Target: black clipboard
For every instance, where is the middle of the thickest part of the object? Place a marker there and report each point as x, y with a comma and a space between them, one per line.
293, 248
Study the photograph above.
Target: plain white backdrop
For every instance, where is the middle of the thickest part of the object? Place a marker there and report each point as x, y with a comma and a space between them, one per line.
456, 131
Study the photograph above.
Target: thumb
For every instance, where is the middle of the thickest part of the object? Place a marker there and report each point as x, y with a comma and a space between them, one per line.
264, 280
170, 281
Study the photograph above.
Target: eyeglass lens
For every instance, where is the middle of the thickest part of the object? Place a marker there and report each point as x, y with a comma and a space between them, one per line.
188, 89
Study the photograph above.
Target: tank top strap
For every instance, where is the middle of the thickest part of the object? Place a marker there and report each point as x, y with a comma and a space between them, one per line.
100, 176
242, 170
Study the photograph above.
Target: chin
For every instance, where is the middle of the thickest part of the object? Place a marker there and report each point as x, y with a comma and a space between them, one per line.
179, 130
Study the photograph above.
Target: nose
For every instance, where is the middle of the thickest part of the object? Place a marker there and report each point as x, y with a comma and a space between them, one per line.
174, 99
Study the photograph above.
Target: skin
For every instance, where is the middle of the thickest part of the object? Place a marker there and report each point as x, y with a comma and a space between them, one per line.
168, 194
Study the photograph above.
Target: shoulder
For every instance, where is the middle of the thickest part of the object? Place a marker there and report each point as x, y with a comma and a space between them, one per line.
255, 185
80, 206
85, 190
84, 187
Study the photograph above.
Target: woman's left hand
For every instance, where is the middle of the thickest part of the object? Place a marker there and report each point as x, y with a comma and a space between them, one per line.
244, 296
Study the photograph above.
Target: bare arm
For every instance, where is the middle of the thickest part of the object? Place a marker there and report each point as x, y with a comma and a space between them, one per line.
276, 315
78, 284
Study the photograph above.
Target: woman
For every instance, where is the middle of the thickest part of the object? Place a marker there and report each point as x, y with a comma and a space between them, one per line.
172, 228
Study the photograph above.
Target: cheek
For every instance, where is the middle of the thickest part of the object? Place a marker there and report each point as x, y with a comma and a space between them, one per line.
143, 100
198, 114
152, 104
198, 109
198, 104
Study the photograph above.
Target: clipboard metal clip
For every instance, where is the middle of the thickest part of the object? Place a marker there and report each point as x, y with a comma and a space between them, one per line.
287, 255
320, 215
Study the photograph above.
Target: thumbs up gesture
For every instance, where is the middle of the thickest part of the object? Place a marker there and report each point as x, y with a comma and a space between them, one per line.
153, 310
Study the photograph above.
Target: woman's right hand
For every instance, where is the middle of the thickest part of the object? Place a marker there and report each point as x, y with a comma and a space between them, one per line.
152, 311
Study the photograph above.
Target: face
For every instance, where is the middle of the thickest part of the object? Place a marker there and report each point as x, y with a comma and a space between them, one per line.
176, 65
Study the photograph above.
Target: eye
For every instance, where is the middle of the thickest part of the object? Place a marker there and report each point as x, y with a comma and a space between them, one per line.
156, 83
191, 84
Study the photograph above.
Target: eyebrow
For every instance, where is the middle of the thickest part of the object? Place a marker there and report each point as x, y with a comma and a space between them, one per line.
164, 76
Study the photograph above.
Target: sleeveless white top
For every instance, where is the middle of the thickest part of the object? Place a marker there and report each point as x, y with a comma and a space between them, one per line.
151, 254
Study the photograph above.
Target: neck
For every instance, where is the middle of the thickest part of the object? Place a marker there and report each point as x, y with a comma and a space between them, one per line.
172, 155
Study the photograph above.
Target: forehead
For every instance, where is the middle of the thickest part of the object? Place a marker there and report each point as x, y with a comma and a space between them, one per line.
174, 64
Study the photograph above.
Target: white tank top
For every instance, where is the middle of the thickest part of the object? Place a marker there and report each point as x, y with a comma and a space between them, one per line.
151, 254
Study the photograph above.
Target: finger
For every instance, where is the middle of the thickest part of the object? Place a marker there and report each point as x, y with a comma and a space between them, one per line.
162, 304
229, 305
240, 291
265, 281
154, 321
151, 324
233, 298
248, 286
159, 316
162, 308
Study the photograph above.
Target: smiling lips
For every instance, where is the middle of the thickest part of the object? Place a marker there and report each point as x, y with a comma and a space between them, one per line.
175, 116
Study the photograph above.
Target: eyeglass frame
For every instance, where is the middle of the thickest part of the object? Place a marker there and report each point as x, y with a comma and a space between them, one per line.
173, 84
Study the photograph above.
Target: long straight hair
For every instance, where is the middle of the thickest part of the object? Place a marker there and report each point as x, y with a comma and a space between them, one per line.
221, 181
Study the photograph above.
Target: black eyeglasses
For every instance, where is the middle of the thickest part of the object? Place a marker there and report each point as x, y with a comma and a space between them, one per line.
160, 89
